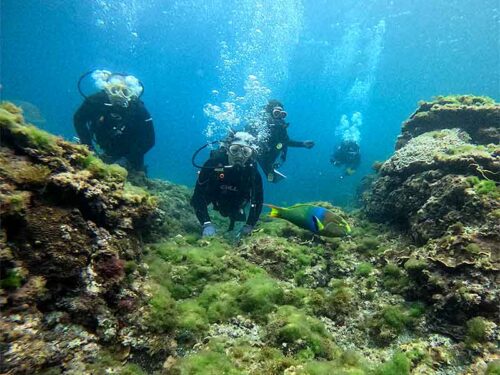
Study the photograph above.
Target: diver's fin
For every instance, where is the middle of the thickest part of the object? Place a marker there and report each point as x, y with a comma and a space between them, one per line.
275, 176
278, 176
318, 223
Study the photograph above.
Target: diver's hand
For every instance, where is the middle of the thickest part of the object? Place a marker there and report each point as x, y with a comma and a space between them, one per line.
208, 230
246, 230
308, 144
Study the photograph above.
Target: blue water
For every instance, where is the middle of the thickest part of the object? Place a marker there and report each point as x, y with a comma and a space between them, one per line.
321, 58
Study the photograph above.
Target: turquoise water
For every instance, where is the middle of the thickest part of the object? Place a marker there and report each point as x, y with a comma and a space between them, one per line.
340, 67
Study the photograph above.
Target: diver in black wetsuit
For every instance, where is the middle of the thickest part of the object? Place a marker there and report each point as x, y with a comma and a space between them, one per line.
277, 142
116, 120
229, 180
347, 153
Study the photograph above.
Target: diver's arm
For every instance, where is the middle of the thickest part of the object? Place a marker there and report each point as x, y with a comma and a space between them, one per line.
304, 144
146, 121
143, 133
198, 200
80, 120
292, 143
256, 208
141, 138
200, 205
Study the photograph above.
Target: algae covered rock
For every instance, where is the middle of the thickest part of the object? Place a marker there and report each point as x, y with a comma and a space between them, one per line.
438, 176
441, 187
78, 296
477, 115
69, 224
176, 214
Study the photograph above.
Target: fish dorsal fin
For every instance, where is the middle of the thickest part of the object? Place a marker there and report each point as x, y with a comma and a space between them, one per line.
301, 205
319, 225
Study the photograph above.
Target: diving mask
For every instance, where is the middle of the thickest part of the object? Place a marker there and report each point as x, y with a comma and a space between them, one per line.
278, 113
239, 154
119, 94
237, 149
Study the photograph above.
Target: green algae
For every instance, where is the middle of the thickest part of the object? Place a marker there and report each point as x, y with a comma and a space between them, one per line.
493, 368
22, 172
130, 267
210, 284
162, 315
364, 269
206, 362
477, 330
260, 295
100, 169
193, 319
369, 245
25, 135
487, 188
220, 300
11, 280
398, 365
291, 328
473, 248
262, 358
136, 194
394, 279
459, 100
107, 363
15, 203
328, 368
391, 321
185, 270
341, 298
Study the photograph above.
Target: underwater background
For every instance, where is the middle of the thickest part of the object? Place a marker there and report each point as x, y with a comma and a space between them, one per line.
105, 272
323, 59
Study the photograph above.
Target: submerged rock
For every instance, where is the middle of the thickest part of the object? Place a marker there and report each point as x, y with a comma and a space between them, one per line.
441, 188
80, 293
479, 116
69, 225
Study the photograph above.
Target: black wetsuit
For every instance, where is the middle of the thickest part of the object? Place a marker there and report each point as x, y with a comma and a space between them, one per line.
348, 154
229, 189
121, 132
275, 145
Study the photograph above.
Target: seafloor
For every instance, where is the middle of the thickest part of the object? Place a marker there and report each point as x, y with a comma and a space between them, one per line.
102, 276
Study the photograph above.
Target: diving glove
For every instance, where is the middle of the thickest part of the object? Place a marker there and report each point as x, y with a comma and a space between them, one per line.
208, 229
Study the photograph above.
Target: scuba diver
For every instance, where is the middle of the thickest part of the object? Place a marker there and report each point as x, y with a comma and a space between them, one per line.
229, 180
348, 154
114, 121
276, 142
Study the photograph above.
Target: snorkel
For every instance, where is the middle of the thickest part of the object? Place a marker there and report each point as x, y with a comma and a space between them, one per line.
120, 88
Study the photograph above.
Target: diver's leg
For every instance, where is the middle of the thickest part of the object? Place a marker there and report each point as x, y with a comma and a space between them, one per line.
267, 166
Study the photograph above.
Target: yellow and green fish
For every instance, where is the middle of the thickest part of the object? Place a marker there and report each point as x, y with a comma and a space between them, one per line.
317, 219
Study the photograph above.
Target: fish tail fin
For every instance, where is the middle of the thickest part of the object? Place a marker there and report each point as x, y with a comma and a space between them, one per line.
275, 211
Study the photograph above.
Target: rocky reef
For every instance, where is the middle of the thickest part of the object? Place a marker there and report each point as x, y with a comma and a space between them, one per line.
71, 237
441, 189
99, 276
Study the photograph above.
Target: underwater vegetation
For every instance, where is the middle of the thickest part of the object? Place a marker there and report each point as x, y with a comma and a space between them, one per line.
411, 290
